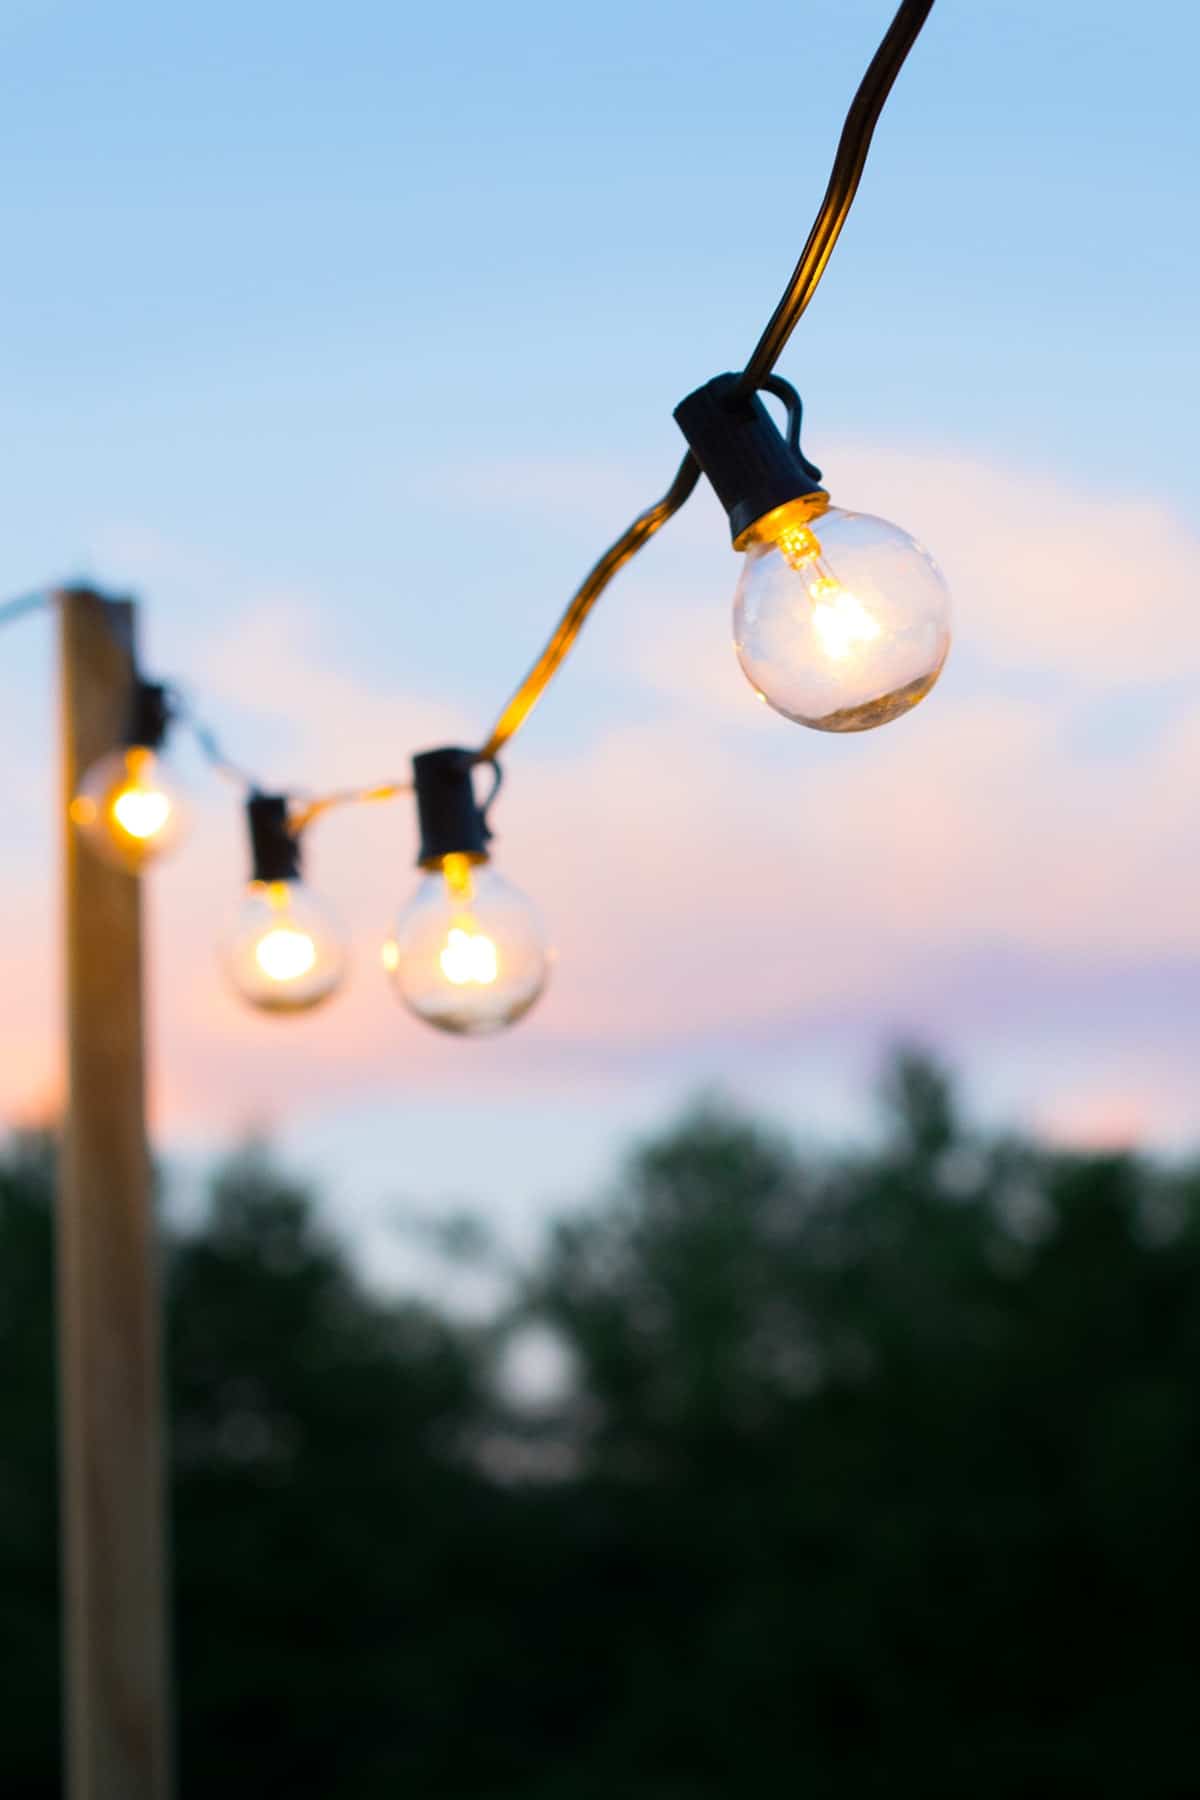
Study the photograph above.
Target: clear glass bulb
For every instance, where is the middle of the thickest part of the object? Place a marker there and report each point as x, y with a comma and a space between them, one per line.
285, 952
841, 621
468, 954
130, 807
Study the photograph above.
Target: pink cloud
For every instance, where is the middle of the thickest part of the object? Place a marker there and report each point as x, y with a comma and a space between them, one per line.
1098, 1120
1098, 586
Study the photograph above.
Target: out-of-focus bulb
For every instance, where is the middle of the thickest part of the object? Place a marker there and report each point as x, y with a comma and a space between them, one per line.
130, 807
285, 952
468, 953
841, 621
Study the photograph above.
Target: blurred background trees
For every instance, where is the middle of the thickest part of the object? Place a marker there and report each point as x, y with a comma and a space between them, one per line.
863, 1471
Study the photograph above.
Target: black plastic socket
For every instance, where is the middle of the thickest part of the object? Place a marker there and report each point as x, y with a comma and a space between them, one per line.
149, 715
753, 468
451, 820
274, 847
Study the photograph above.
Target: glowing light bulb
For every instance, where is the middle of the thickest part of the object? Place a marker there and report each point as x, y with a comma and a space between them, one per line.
141, 813
130, 807
285, 952
841, 621
468, 953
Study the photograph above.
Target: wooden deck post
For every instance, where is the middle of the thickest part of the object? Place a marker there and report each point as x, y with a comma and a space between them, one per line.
117, 1729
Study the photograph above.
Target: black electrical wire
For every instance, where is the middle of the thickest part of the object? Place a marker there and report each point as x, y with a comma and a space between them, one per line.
15, 609
307, 808
848, 165
585, 597
209, 746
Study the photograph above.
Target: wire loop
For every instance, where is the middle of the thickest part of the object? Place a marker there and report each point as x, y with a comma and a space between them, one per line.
794, 407
497, 783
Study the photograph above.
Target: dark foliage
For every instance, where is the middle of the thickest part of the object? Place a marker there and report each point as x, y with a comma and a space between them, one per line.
872, 1475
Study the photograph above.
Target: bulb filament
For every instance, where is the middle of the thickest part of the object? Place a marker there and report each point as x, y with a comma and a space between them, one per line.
840, 619
468, 957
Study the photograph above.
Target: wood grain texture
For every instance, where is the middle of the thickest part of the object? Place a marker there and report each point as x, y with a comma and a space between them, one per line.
113, 1505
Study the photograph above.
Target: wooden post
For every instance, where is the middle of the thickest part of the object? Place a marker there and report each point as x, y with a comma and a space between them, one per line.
117, 1709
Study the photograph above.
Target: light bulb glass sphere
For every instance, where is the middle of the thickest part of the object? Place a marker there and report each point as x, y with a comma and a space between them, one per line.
130, 807
285, 952
841, 621
468, 953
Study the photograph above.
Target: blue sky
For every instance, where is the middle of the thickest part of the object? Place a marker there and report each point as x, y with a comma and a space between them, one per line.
348, 337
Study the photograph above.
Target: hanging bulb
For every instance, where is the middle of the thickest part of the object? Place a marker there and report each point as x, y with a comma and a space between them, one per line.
130, 806
841, 621
468, 953
285, 953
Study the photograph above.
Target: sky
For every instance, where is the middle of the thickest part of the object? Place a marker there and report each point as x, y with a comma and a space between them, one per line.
347, 338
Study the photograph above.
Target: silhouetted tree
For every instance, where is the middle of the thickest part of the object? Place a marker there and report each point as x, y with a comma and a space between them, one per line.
29, 1626
901, 1456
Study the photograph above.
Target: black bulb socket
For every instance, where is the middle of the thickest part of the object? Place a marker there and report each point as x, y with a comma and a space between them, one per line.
753, 468
149, 716
274, 846
450, 818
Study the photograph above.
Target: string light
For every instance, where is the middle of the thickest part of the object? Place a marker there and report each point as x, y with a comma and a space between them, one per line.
130, 806
468, 953
841, 622
285, 953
